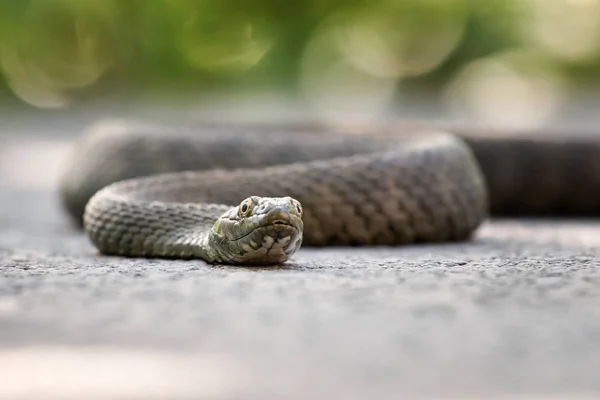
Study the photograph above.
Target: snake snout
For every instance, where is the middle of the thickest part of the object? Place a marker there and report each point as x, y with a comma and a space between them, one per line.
279, 216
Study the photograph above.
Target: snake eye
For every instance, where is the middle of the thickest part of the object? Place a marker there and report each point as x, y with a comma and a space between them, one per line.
298, 207
245, 207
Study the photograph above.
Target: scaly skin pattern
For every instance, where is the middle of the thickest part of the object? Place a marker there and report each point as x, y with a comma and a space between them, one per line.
120, 221
177, 187
178, 193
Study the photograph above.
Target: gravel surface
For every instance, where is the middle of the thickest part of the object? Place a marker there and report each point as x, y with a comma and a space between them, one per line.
513, 313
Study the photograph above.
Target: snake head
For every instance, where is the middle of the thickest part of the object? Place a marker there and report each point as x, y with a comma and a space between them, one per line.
260, 230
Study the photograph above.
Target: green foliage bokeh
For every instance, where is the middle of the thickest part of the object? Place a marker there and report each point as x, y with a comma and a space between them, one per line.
103, 45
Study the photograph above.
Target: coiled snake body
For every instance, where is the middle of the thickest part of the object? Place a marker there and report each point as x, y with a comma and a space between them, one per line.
240, 196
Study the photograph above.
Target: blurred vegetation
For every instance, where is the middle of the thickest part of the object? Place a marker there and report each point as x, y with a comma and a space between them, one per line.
54, 51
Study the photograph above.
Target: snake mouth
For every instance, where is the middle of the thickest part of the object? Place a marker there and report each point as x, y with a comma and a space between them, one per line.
293, 226
277, 219
281, 219
275, 230
278, 236
280, 228
270, 244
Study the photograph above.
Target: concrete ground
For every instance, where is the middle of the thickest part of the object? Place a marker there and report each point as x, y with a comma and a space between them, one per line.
514, 313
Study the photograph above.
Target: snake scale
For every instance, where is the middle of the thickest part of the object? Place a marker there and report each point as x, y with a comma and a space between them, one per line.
236, 195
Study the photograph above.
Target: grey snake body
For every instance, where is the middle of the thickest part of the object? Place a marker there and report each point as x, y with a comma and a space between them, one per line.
177, 192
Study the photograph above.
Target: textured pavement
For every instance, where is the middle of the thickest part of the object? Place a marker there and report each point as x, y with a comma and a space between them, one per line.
513, 313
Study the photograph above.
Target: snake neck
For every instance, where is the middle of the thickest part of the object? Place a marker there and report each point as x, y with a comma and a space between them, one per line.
194, 244
119, 221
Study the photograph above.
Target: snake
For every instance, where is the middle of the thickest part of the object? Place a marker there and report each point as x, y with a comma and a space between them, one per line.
253, 195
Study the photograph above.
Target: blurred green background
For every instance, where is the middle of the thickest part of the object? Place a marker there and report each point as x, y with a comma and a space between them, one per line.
474, 57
